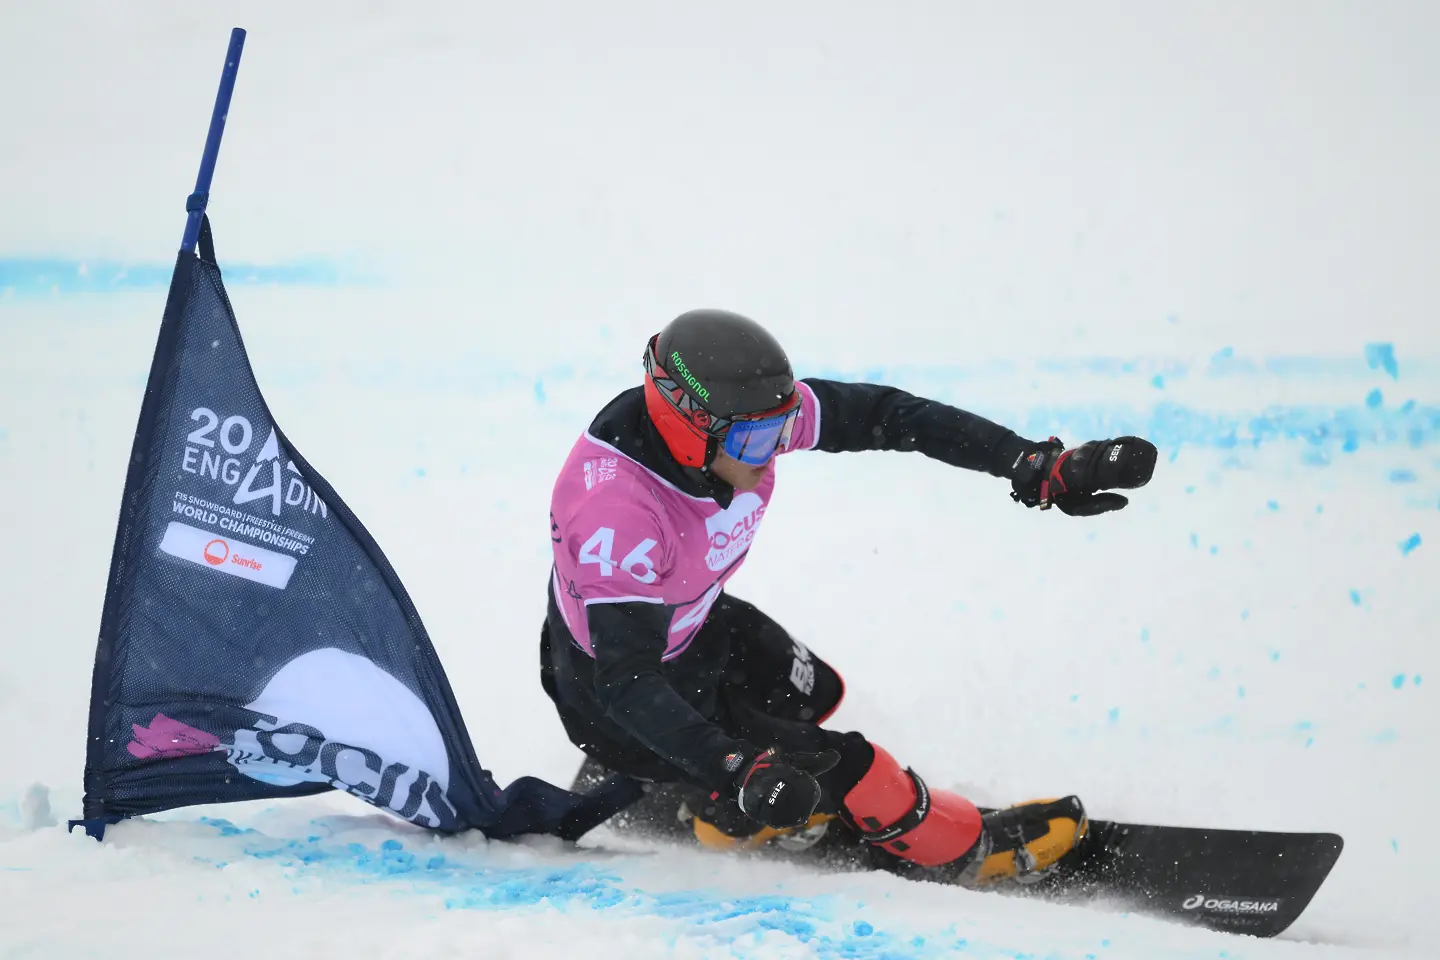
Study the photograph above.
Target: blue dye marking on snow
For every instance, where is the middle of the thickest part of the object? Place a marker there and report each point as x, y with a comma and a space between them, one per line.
1397, 681
1194, 540
1304, 725
1158, 382
1144, 634
1322, 429
1244, 614
1394, 844
1213, 673
1274, 655
1190, 489
1416, 679
1074, 697
1310, 742
1355, 597
225, 827
1387, 735
1402, 476
1381, 356
1409, 544
540, 392
1114, 715
1273, 505
1374, 399
815, 922
1214, 549
1170, 425
30, 277
1240, 693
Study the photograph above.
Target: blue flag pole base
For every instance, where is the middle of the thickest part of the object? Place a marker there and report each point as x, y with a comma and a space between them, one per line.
95, 826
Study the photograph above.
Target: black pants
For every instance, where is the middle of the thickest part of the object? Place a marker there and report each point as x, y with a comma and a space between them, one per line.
771, 691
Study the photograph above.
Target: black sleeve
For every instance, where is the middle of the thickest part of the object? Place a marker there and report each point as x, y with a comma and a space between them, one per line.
866, 416
628, 640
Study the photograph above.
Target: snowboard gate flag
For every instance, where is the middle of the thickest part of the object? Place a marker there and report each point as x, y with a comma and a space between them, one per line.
255, 642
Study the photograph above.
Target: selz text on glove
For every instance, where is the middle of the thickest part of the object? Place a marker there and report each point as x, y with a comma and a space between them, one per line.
1073, 480
780, 790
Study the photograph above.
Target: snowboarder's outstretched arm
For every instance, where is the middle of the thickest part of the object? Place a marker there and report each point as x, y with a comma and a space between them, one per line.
865, 416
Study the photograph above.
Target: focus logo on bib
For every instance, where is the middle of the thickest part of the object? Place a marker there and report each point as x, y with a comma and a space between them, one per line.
732, 531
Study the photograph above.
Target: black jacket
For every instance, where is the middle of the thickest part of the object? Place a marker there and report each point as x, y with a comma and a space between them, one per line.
638, 714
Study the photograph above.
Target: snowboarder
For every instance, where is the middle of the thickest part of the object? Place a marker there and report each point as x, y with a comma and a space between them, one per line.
659, 673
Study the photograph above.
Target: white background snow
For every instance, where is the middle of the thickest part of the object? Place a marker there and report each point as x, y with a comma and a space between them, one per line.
1072, 218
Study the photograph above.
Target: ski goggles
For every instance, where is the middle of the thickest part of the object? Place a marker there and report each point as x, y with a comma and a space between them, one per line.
756, 440
750, 438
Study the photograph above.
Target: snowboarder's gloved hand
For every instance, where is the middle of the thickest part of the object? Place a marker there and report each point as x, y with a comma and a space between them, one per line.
1049, 475
780, 790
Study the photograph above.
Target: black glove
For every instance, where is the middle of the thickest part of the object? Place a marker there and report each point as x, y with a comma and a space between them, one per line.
1049, 475
780, 790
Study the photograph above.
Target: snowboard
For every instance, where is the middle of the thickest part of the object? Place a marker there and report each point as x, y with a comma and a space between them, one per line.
1251, 882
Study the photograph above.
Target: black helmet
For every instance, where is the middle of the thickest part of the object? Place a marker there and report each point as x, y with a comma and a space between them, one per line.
707, 368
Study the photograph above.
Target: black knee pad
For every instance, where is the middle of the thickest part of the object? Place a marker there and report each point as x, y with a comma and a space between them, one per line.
774, 672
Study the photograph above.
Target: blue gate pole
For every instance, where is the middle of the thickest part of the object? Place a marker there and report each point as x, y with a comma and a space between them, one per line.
196, 202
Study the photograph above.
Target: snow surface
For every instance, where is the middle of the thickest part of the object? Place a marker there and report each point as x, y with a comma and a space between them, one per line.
447, 230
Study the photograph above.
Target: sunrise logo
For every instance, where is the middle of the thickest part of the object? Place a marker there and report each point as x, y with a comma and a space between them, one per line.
221, 555
216, 552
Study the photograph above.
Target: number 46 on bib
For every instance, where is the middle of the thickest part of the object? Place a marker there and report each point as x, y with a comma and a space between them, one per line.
600, 549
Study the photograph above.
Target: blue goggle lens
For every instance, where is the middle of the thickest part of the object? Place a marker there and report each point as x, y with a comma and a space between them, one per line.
755, 441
